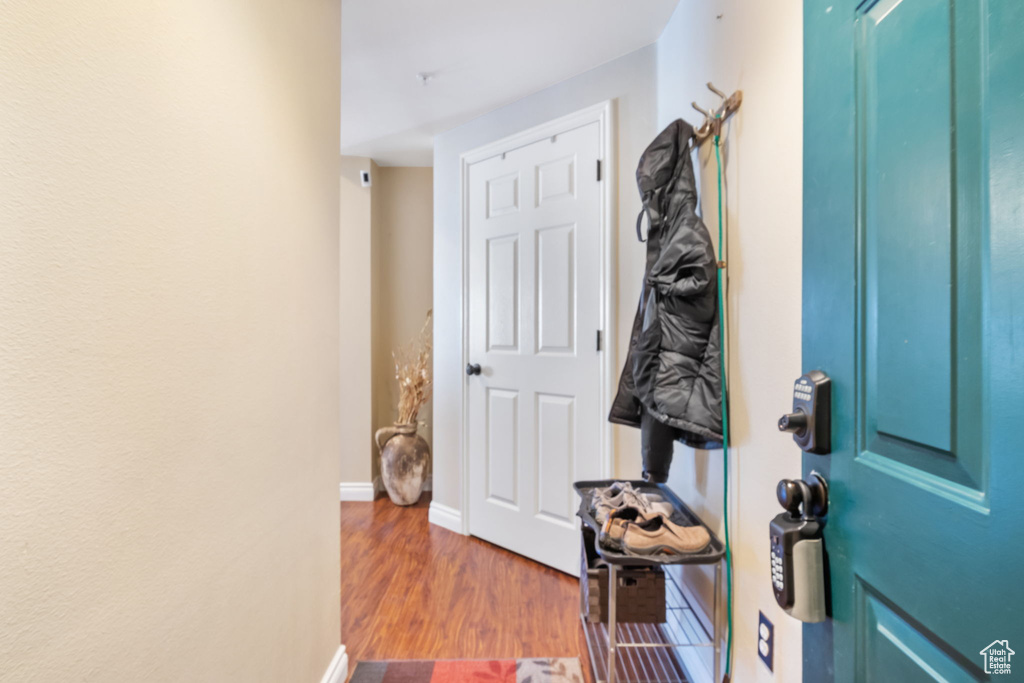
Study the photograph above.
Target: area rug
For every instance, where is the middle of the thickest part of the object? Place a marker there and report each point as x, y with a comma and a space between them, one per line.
562, 670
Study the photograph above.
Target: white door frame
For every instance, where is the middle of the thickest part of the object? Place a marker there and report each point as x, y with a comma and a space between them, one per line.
604, 115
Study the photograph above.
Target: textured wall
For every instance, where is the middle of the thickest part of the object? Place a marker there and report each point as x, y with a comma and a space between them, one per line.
168, 340
755, 47
358, 451
403, 233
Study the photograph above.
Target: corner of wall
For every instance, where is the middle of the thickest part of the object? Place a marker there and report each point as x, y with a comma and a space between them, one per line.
356, 322
377, 355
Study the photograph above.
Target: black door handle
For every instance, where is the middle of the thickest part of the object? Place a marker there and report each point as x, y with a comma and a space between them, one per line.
812, 493
794, 422
473, 369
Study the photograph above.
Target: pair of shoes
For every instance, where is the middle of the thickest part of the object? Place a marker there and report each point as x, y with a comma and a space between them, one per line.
614, 526
637, 533
621, 495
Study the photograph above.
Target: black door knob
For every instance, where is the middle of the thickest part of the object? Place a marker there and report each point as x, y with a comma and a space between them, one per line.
793, 422
473, 369
812, 494
790, 495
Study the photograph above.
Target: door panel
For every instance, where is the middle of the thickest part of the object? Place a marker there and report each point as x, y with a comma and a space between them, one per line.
913, 270
904, 108
503, 293
502, 426
555, 430
534, 413
503, 195
556, 314
920, 268
894, 648
556, 180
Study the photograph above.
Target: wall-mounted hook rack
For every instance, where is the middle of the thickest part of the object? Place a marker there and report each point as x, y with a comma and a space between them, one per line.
712, 125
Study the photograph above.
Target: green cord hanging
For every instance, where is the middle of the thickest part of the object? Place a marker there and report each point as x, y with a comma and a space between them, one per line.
725, 421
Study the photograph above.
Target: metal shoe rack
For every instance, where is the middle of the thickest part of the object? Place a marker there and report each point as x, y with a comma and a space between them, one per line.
649, 653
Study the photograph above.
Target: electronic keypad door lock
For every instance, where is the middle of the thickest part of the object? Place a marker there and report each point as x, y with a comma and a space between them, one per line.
811, 419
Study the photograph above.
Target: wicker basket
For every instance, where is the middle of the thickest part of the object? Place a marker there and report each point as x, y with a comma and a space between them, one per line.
641, 593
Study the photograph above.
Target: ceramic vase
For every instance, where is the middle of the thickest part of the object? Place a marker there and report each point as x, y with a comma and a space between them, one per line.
404, 459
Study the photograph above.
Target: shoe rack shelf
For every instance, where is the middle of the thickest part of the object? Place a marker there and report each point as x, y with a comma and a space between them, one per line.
654, 653
623, 652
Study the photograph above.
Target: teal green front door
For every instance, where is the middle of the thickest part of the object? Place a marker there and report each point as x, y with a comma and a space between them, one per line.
913, 303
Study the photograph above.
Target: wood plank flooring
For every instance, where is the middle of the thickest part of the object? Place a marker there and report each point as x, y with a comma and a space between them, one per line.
410, 590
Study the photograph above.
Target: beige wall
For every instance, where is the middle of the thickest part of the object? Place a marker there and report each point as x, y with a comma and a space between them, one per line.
168, 340
755, 47
402, 279
356, 321
386, 291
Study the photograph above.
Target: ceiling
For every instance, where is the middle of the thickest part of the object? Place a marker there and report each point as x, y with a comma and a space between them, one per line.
479, 54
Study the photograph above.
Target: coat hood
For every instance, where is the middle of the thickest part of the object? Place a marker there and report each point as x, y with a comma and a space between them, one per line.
660, 160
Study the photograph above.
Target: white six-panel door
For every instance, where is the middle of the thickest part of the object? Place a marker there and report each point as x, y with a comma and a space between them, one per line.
534, 412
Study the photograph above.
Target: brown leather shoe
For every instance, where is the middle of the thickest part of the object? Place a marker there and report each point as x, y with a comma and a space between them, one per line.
660, 536
614, 525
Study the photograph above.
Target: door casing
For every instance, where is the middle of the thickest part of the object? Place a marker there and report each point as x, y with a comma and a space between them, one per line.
604, 115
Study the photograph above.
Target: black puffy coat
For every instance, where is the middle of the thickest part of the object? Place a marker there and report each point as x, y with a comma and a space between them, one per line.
673, 366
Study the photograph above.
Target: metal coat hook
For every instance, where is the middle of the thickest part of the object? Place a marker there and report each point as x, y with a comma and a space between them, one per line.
712, 126
712, 88
707, 114
704, 129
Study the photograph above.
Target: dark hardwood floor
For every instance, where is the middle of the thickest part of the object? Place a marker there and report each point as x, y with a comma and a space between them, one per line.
410, 590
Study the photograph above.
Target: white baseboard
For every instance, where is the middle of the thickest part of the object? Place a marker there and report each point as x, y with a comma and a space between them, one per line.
337, 671
357, 491
446, 517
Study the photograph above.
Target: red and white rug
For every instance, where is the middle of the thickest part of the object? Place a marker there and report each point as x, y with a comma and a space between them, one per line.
563, 670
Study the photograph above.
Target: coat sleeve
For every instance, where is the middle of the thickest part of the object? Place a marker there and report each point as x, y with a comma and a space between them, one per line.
690, 274
693, 280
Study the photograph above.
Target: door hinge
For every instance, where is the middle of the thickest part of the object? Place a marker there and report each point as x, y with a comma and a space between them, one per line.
599, 340
598, 174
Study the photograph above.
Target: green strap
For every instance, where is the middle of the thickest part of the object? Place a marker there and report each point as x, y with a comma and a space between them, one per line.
725, 423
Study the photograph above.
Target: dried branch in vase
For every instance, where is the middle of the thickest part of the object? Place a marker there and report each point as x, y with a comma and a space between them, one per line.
412, 370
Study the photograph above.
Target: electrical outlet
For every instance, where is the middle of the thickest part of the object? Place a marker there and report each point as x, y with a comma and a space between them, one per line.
766, 641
